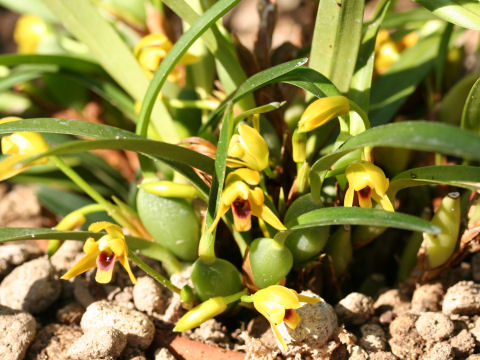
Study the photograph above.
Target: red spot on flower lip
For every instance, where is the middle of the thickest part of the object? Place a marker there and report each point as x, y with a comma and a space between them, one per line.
241, 208
365, 192
288, 314
105, 260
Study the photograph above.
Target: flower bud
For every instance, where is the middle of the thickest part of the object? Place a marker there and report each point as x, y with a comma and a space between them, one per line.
321, 111
201, 313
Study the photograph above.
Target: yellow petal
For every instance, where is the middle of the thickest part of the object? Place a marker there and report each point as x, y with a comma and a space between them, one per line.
117, 245
90, 246
288, 298
323, 110
365, 202
112, 229
363, 173
272, 311
292, 320
221, 211
9, 166
235, 148
86, 263
255, 147
383, 201
234, 191
278, 336
28, 32
153, 40
308, 299
251, 177
71, 221
260, 210
104, 276
124, 261
348, 201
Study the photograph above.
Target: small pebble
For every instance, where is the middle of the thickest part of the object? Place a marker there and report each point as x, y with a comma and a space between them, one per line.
476, 329
32, 286
440, 351
317, 323
70, 313
67, 255
433, 326
163, 354
427, 297
53, 341
357, 353
17, 329
391, 300
463, 344
148, 296
16, 254
138, 328
373, 338
106, 344
355, 308
382, 355
405, 343
463, 298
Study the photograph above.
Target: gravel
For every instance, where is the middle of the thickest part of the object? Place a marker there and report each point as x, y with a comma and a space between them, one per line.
32, 286
463, 298
106, 344
18, 330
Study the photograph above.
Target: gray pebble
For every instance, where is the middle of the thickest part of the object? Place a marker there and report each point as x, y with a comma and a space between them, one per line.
107, 343
163, 354
32, 286
427, 297
405, 343
138, 328
463, 344
440, 351
355, 308
18, 329
433, 326
382, 355
463, 298
373, 338
16, 254
148, 296
317, 324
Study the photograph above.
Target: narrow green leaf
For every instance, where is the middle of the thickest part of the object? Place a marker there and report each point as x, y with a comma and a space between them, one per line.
336, 40
407, 18
471, 110
175, 54
393, 88
450, 111
464, 13
362, 78
68, 62
358, 216
467, 177
417, 135
18, 77
67, 127
84, 21
156, 149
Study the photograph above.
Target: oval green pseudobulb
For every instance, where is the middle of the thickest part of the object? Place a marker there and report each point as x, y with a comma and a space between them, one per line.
172, 222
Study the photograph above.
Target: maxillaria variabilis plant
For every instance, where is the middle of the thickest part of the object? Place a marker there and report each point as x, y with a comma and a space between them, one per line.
261, 187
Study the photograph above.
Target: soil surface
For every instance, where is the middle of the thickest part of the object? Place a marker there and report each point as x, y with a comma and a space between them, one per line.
43, 317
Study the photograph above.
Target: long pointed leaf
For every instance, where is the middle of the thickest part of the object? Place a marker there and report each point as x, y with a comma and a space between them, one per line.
359, 216
471, 110
464, 13
336, 40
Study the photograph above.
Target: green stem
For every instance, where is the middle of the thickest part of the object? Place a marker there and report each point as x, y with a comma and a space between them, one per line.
91, 208
155, 275
89, 190
234, 297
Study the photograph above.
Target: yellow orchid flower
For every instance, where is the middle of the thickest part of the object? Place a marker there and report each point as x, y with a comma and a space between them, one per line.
321, 111
29, 30
201, 313
250, 147
245, 201
20, 146
103, 253
152, 49
369, 181
277, 304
